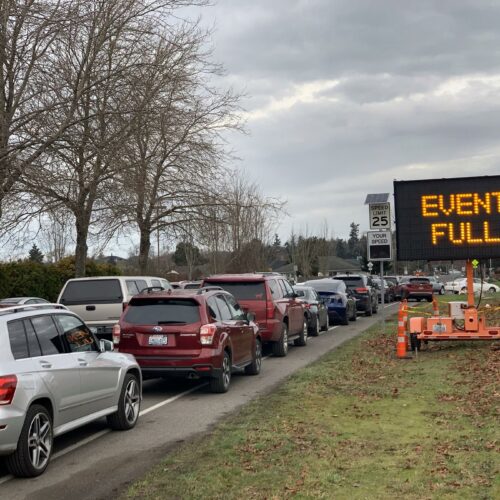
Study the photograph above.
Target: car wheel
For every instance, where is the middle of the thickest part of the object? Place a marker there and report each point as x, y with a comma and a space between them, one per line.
369, 311
441, 291
34, 447
254, 367
314, 331
429, 299
354, 316
129, 405
463, 290
327, 323
280, 348
492, 290
375, 309
302, 340
220, 383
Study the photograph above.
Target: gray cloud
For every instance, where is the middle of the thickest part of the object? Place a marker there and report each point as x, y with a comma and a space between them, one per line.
344, 96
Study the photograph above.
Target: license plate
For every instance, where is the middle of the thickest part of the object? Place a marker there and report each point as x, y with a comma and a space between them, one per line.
158, 340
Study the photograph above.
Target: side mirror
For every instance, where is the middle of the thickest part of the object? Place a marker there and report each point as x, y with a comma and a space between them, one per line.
106, 345
250, 317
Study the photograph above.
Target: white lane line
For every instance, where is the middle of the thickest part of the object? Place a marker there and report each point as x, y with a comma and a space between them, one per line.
97, 435
170, 400
81, 443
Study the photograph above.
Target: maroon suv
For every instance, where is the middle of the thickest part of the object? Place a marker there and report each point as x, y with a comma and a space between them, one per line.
193, 333
280, 316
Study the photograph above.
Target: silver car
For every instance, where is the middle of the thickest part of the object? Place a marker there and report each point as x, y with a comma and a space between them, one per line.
55, 377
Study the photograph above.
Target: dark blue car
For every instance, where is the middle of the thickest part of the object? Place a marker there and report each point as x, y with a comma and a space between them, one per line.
339, 301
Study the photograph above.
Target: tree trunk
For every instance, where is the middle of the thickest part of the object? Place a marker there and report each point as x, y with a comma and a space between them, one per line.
144, 249
82, 230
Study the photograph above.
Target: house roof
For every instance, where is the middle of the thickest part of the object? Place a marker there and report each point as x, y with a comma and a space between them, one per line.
333, 263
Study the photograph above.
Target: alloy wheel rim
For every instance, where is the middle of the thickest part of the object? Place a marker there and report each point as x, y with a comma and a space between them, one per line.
39, 440
132, 401
304, 331
226, 372
285, 340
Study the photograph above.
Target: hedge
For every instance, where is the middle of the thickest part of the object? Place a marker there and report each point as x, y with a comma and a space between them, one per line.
26, 278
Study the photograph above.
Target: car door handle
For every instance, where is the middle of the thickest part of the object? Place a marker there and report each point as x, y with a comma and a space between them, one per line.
90, 308
82, 362
45, 364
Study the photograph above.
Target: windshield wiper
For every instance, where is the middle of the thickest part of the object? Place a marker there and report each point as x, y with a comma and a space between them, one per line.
171, 322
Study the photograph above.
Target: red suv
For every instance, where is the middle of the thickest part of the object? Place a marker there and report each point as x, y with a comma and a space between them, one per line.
280, 316
194, 333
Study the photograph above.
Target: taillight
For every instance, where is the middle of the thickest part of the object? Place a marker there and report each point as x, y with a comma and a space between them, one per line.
116, 334
207, 333
361, 290
8, 384
270, 309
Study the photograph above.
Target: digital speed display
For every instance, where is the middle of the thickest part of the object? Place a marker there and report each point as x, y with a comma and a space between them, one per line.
448, 219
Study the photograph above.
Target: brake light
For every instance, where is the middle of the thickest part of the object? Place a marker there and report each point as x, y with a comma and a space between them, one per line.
116, 334
8, 384
270, 309
361, 290
207, 333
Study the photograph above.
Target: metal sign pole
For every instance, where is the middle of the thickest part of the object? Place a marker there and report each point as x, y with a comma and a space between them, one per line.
383, 294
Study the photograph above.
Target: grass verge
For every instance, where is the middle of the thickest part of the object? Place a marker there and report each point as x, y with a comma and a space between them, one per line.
356, 424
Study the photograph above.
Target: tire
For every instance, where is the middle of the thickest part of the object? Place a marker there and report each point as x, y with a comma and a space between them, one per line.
314, 331
492, 290
415, 344
354, 316
369, 312
441, 291
327, 323
37, 426
375, 309
302, 340
463, 290
345, 320
221, 382
280, 348
254, 367
429, 299
129, 405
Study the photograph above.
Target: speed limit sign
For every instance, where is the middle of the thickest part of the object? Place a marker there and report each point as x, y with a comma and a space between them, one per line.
380, 215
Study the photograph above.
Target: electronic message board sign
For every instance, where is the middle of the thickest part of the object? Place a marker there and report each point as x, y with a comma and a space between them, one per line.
448, 219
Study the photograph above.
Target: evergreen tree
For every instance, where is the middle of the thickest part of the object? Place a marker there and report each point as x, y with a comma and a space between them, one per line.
35, 254
353, 241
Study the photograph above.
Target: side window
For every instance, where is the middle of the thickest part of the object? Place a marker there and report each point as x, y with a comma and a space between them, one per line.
47, 335
76, 333
165, 284
132, 287
288, 288
213, 310
155, 283
18, 342
141, 285
223, 308
33, 345
234, 307
275, 289
281, 284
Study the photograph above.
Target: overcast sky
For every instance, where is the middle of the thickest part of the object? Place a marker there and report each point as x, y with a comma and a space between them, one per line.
344, 96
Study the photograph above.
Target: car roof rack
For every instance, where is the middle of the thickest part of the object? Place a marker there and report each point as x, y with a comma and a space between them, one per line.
205, 289
151, 289
28, 307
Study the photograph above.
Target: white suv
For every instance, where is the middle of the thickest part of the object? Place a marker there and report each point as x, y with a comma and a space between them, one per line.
55, 377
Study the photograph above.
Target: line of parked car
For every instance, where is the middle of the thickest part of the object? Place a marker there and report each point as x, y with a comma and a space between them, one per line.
64, 365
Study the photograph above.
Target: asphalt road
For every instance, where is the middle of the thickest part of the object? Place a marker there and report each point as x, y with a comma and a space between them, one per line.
96, 463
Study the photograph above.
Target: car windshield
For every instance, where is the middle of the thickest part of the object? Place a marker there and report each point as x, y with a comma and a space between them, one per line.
242, 290
157, 311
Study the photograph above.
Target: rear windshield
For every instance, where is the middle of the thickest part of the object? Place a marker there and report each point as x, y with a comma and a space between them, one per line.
156, 311
327, 286
245, 290
351, 281
92, 292
419, 281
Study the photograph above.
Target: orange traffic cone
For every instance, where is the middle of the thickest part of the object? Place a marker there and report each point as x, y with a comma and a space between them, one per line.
402, 339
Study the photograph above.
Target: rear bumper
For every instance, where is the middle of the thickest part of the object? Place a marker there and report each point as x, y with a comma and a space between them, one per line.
337, 313
363, 302
11, 424
208, 363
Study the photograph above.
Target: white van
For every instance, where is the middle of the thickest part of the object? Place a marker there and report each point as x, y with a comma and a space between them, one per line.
100, 300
